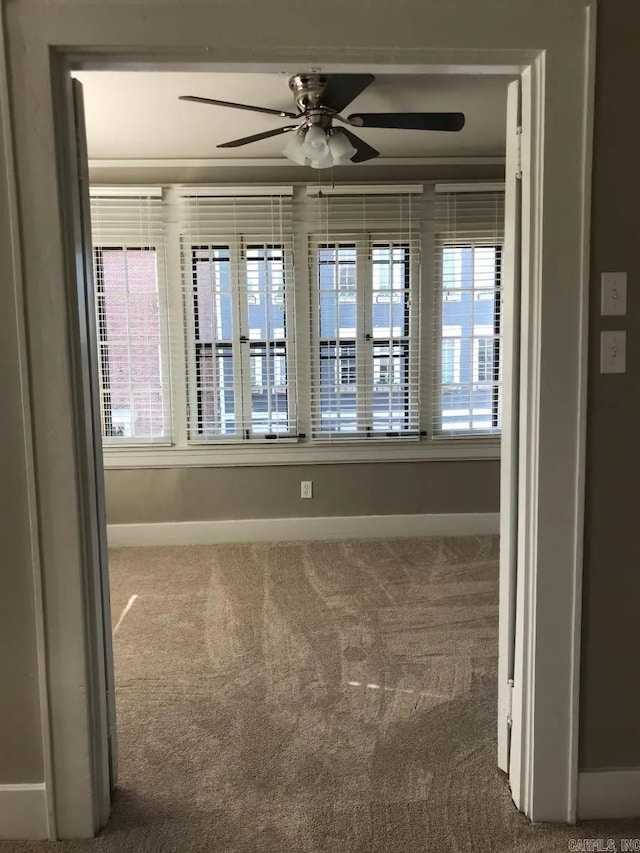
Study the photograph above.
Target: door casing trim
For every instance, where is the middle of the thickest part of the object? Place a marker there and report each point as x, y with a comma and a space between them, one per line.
46, 39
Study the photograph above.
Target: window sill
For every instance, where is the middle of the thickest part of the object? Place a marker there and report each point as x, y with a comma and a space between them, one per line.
222, 456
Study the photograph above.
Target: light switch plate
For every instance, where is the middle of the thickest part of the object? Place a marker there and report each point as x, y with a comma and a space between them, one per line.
613, 352
614, 294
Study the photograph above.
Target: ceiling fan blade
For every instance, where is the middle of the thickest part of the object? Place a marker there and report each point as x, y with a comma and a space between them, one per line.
341, 89
409, 121
216, 103
364, 151
236, 143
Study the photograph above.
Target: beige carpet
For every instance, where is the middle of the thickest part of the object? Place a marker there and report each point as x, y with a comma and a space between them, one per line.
312, 698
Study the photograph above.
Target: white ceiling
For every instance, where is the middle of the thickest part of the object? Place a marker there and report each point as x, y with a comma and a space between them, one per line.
137, 115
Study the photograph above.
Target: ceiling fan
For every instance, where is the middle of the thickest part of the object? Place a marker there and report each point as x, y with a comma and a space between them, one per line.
319, 99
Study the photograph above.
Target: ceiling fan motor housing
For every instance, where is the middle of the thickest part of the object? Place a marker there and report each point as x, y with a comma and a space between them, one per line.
307, 90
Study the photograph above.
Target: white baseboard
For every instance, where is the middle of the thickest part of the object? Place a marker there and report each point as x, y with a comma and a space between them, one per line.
608, 794
23, 812
297, 529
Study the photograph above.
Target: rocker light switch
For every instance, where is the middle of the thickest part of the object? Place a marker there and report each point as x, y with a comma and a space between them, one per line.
613, 352
614, 294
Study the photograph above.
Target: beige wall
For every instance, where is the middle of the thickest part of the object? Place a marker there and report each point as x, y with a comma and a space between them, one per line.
20, 743
192, 494
286, 174
610, 707
610, 733
610, 699
197, 494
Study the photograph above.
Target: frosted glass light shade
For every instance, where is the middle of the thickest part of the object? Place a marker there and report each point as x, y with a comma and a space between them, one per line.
341, 148
318, 148
322, 162
316, 144
294, 150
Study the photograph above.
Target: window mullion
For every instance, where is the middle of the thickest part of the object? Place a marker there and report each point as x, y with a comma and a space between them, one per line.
471, 344
438, 346
297, 307
417, 328
164, 342
240, 349
313, 365
190, 380
132, 406
430, 330
175, 362
266, 367
103, 345
364, 335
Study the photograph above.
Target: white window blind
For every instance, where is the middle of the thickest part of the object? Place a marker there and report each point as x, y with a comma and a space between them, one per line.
364, 259
129, 257
237, 269
469, 235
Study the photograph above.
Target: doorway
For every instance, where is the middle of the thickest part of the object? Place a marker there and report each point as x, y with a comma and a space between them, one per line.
534, 539
138, 266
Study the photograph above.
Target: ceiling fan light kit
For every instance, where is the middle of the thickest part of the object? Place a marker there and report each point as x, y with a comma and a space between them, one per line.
319, 99
319, 148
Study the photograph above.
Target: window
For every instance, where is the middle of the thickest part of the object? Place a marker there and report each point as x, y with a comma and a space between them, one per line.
348, 368
239, 331
390, 273
468, 260
213, 341
238, 339
364, 280
265, 274
366, 356
129, 318
483, 355
337, 317
240, 361
346, 272
450, 366
451, 275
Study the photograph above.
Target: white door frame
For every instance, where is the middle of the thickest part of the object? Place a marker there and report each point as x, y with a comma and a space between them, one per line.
509, 444
554, 40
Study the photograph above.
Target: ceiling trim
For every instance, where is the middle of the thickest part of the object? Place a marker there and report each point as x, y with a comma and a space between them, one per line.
229, 162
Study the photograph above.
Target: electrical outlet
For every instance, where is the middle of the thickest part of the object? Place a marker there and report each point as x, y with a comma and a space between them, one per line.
306, 488
613, 352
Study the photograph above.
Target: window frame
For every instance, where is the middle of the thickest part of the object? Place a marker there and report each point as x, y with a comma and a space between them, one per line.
299, 449
474, 242
364, 342
241, 342
481, 343
167, 439
455, 336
